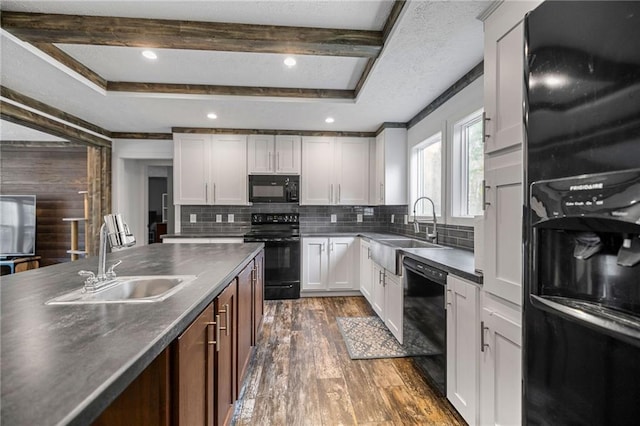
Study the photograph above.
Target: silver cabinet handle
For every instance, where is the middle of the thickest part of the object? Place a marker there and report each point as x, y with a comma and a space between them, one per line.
339, 193
448, 300
277, 161
381, 191
269, 162
214, 193
368, 253
216, 337
206, 193
331, 194
482, 343
485, 203
322, 247
331, 247
485, 135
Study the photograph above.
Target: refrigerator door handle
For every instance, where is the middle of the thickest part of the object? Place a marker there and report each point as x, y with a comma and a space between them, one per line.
609, 322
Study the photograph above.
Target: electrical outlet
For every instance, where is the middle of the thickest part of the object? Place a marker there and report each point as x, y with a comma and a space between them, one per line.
230, 218
193, 218
334, 218
406, 219
393, 218
218, 218
359, 217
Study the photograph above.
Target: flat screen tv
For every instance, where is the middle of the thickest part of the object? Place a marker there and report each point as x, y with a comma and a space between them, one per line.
17, 225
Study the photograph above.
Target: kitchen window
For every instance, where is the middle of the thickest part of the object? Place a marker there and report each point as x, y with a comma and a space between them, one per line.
426, 179
467, 166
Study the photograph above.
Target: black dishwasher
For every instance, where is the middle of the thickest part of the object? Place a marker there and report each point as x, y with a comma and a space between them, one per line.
424, 313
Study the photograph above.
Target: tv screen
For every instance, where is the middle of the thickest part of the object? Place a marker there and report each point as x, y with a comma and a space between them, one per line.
17, 225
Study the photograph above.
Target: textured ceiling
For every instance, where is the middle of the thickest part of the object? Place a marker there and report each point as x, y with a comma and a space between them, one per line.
434, 44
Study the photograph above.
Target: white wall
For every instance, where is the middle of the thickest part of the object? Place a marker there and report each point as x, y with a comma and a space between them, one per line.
130, 160
465, 102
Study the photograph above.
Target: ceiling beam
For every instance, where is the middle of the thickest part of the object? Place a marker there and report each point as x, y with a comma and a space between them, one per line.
141, 136
212, 90
221, 131
71, 63
191, 35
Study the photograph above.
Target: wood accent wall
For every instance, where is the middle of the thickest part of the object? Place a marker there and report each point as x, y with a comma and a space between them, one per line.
54, 175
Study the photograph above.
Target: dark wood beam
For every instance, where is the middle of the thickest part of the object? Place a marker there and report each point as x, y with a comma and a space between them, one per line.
212, 131
454, 89
47, 109
206, 89
41, 144
27, 118
390, 125
192, 35
141, 135
72, 63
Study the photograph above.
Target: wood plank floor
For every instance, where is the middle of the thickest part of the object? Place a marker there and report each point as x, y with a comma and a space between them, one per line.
301, 374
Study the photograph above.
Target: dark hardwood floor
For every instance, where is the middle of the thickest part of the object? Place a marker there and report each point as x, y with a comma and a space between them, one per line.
301, 374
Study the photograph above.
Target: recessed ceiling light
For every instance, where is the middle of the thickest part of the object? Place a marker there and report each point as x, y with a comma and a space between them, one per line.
329, 120
212, 115
290, 62
149, 54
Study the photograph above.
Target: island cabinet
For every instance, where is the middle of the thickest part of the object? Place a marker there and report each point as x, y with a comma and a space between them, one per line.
196, 379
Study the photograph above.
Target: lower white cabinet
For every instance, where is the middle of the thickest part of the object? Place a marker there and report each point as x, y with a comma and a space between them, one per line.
366, 270
463, 343
393, 309
377, 293
328, 264
500, 369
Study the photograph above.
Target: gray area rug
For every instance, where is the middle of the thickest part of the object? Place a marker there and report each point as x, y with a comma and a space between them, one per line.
369, 338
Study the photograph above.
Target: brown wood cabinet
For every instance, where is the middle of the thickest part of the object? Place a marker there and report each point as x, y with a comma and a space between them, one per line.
258, 296
225, 359
245, 320
196, 380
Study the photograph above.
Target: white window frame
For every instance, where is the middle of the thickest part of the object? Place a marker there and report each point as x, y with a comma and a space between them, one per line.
459, 170
439, 136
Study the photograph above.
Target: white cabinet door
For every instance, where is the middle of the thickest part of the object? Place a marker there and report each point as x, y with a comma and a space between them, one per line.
317, 186
366, 270
191, 168
287, 151
463, 342
228, 169
390, 178
341, 263
351, 171
503, 233
378, 290
379, 176
393, 305
260, 154
501, 371
315, 263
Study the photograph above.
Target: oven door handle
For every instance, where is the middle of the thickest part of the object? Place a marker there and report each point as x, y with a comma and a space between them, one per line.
616, 326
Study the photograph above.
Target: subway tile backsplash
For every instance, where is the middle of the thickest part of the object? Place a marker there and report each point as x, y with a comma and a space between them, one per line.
318, 219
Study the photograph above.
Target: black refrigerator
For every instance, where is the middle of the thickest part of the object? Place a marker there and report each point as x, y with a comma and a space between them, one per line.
581, 307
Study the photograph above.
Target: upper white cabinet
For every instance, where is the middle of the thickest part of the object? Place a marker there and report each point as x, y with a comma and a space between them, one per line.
210, 169
328, 264
268, 154
335, 171
503, 75
389, 182
463, 342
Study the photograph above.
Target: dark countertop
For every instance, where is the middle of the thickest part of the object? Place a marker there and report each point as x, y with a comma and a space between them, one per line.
210, 234
452, 260
64, 364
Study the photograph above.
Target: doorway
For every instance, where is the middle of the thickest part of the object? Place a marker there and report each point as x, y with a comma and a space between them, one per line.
159, 202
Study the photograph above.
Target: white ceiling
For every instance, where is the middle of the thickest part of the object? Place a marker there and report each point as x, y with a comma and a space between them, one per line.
434, 44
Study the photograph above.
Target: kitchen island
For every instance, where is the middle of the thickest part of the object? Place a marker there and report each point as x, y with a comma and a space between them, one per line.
64, 364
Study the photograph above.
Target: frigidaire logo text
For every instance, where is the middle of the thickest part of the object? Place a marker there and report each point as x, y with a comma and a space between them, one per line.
586, 186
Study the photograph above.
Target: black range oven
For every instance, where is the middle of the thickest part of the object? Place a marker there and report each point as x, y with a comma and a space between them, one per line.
280, 233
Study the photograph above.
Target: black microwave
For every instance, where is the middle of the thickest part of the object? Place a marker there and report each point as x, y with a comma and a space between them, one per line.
274, 188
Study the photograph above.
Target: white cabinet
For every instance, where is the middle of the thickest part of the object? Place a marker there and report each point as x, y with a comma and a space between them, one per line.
387, 298
210, 169
267, 154
501, 370
328, 264
393, 305
389, 182
377, 302
503, 75
463, 343
503, 232
335, 171
366, 270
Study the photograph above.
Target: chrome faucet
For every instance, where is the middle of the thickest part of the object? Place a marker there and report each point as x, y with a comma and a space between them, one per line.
115, 231
416, 225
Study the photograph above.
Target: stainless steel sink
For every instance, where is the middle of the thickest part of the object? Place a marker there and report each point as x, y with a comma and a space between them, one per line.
385, 252
133, 289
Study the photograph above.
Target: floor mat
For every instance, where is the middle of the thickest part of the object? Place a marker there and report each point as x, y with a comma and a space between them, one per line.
368, 338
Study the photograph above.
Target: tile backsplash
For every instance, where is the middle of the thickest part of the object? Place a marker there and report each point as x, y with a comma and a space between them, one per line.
318, 219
